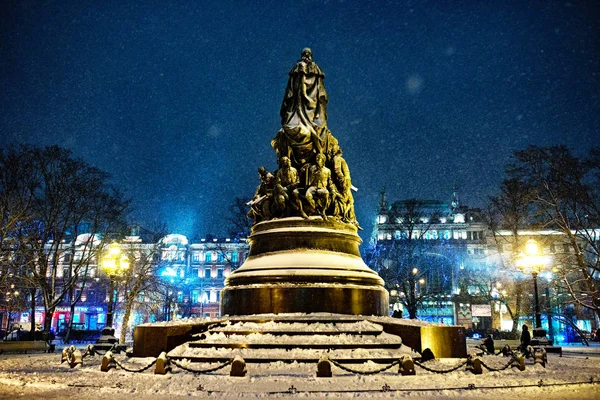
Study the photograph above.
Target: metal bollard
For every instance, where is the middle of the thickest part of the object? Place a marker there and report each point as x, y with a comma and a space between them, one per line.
529, 351
75, 358
65, 354
162, 364
474, 365
90, 350
519, 362
324, 368
238, 367
108, 362
540, 356
407, 366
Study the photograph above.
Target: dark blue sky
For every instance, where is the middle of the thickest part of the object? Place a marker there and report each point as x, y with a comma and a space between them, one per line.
179, 100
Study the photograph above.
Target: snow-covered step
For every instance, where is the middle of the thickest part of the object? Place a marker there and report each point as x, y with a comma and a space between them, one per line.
300, 328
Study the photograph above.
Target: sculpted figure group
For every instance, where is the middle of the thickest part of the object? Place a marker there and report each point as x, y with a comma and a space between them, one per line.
313, 178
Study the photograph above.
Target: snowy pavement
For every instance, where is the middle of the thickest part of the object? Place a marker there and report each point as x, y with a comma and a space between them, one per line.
35, 376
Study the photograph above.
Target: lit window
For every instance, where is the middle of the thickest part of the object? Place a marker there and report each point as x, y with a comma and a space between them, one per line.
455, 235
380, 236
434, 235
195, 295
382, 219
208, 257
397, 235
220, 257
463, 234
234, 257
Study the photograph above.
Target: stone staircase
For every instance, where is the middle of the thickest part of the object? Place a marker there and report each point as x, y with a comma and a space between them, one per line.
291, 337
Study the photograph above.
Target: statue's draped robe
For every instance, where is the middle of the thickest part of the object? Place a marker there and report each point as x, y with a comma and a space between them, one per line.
304, 116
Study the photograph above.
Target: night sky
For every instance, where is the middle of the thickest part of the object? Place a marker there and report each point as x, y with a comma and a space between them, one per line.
179, 100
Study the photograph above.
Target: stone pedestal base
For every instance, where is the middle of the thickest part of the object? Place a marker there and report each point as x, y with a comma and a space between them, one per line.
304, 266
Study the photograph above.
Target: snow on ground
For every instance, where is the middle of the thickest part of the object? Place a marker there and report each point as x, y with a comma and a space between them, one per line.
35, 376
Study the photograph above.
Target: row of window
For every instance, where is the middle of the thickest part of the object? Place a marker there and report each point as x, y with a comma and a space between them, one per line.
434, 235
209, 256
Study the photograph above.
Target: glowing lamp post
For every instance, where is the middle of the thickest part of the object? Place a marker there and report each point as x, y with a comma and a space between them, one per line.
114, 263
532, 261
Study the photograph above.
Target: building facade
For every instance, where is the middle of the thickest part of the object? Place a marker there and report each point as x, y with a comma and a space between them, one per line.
445, 259
189, 276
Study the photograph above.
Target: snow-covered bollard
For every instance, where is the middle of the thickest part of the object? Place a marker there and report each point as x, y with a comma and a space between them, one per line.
162, 364
519, 362
65, 354
238, 367
540, 356
529, 351
407, 366
90, 350
324, 368
108, 362
75, 358
474, 365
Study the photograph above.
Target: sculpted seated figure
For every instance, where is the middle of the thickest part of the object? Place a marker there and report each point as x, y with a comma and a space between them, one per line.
320, 185
289, 180
260, 205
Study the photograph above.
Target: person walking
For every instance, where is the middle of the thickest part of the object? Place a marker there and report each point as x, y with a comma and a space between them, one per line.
525, 340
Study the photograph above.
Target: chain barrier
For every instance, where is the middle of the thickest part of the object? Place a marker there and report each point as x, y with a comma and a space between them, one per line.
204, 371
437, 371
337, 364
492, 369
134, 370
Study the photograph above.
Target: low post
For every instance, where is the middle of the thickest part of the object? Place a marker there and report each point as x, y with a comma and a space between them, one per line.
407, 366
474, 365
108, 362
90, 350
519, 362
66, 353
238, 367
324, 368
540, 356
162, 364
76, 358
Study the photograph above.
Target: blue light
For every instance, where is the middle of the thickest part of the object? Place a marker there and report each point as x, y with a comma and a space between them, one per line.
168, 271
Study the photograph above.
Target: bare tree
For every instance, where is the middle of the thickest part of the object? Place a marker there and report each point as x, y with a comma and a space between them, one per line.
566, 198
511, 211
239, 223
406, 261
143, 276
66, 197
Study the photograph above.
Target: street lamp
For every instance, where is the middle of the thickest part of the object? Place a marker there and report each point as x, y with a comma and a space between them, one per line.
532, 261
114, 263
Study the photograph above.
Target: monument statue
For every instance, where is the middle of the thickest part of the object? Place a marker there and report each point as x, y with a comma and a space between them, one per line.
303, 139
304, 245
